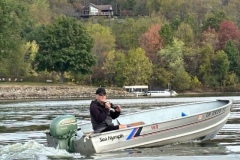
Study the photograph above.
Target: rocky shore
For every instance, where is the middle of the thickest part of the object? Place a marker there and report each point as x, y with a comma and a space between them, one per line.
55, 91
21, 92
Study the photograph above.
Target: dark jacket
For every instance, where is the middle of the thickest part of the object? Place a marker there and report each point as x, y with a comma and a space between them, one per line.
101, 117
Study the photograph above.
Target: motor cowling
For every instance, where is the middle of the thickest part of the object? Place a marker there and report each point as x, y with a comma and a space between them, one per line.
63, 128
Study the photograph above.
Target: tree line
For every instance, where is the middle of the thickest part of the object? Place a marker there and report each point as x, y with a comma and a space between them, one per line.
189, 44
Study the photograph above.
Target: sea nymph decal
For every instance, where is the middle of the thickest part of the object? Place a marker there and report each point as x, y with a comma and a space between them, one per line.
111, 138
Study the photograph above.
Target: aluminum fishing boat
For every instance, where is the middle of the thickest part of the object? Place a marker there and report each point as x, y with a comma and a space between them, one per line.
148, 128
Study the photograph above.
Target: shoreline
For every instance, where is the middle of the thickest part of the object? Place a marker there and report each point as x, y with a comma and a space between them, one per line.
54, 92
34, 92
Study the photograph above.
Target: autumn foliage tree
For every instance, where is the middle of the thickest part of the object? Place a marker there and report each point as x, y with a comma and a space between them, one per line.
228, 31
104, 41
151, 42
210, 36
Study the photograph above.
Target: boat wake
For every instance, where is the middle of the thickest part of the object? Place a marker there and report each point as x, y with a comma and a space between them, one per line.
33, 150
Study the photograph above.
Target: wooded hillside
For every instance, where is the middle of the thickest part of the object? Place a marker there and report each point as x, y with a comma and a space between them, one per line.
186, 43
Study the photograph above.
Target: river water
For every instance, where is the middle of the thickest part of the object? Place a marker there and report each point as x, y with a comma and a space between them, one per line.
22, 126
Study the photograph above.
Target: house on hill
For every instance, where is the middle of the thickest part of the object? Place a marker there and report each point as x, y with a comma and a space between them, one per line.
97, 10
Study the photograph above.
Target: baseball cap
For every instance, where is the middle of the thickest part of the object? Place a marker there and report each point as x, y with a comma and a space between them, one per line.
101, 90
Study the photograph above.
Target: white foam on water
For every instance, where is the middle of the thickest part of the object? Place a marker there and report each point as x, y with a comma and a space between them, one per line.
31, 150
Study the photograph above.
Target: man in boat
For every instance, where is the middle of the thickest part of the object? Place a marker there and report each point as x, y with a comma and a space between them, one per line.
102, 112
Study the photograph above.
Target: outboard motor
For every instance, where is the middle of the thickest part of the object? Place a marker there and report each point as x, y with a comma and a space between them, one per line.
62, 129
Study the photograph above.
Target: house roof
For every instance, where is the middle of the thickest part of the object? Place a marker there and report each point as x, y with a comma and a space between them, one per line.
105, 7
100, 7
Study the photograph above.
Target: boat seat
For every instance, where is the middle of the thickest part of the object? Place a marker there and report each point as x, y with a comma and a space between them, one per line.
135, 124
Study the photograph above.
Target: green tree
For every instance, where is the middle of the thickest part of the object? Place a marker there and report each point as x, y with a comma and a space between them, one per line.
104, 41
30, 51
40, 15
127, 34
65, 46
233, 56
140, 8
231, 80
114, 72
171, 8
204, 71
213, 67
133, 68
138, 67
167, 34
175, 22
220, 67
62, 7
195, 83
181, 80
119, 64
160, 78
40, 12
191, 58
190, 19
14, 18
128, 31
214, 20
172, 61
11, 15
154, 5
172, 55
185, 33
110, 67
126, 7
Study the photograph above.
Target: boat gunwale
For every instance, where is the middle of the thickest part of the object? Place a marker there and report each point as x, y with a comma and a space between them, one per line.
184, 104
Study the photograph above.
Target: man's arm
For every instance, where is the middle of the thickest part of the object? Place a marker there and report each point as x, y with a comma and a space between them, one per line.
114, 114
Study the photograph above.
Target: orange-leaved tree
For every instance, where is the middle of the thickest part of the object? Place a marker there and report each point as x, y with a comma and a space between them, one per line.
151, 42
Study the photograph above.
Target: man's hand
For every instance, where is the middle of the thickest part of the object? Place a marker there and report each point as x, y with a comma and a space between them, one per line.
118, 108
107, 105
